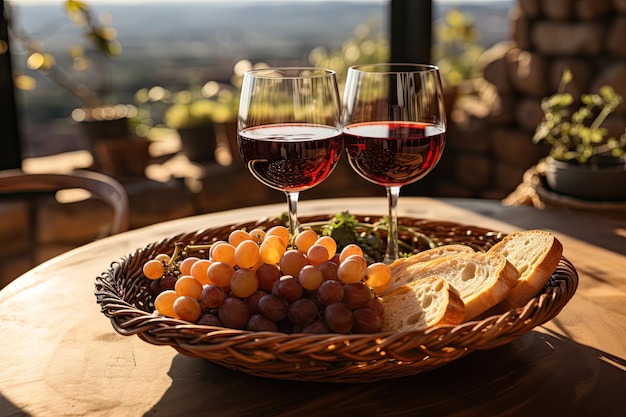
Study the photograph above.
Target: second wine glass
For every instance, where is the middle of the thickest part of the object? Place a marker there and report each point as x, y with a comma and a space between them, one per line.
289, 129
394, 128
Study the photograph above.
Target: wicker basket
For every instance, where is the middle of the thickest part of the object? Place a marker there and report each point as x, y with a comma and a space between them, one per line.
123, 296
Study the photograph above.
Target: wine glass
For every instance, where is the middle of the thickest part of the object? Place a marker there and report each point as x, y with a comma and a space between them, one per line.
394, 126
289, 129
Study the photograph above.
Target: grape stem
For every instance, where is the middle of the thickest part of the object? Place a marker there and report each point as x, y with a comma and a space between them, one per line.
380, 225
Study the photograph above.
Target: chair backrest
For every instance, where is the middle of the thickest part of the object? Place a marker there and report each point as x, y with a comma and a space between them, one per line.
101, 186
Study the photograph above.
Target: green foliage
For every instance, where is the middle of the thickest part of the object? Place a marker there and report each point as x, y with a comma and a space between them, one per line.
367, 45
577, 135
160, 108
88, 77
456, 49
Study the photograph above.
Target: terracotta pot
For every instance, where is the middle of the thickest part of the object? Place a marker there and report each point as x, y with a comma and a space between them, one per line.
604, 183
125, 158
106, 135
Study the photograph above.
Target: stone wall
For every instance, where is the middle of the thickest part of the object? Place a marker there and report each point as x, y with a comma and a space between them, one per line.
490, 133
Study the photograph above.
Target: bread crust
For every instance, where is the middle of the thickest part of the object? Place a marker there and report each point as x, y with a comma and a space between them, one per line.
534, 276
430, 254
493, 278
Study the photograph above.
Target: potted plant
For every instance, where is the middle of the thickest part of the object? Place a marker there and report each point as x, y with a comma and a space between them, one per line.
103, 122
198, 114
583, 161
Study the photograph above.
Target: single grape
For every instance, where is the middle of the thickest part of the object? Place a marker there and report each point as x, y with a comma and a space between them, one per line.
281, 231
273, 307
224, 252
302, 312
305, 239
215, 245
258, 235
153, 269
317, 327
292, 262
164, 303
259, 323
188, 286
377, 307
272, 249
329, 270
268, 274
212, 296
351, 249
237, 236
252, 301
187, 308
186, 264
244, 283
155, 287
199, 270
357, 258
338, 317
330, 292
356, 295
220, 274
377, 275
317, 254
247, 254
330, 244
233, 313
351, 270
168, 282
209, 319
163, 257
310, 278
288, 287
366, 321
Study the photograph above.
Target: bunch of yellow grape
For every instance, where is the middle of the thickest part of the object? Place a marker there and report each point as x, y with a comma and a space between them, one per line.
265, 280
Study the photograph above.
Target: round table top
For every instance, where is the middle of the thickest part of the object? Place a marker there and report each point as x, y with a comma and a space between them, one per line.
61, 356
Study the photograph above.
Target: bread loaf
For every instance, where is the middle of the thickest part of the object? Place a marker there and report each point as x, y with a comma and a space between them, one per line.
430, 254
535, 254
422, 303
483, 279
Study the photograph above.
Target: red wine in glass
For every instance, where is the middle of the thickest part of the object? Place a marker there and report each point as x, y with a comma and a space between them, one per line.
393, 153
290, 157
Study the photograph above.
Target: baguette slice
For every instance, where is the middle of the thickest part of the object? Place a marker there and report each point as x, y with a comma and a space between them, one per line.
482, 279
421, 304
535, 254
430, 254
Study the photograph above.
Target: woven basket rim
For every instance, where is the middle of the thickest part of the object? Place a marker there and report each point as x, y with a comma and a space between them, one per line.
326, 357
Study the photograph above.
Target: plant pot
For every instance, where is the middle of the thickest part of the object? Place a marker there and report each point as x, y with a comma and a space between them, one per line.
103, 131
603, 183
198, 143
125, 158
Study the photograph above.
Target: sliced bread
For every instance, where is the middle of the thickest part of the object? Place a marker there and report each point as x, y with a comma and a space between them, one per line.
430, 254
483, 279
535, 254
421, 304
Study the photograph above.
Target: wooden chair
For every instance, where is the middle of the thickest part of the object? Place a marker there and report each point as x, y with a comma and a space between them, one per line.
101, 186
30, 191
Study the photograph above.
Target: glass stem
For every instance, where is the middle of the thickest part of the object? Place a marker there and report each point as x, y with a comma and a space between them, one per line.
292, 201
392, 234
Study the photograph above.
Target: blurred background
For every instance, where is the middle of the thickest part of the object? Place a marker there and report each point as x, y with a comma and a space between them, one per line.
147, 92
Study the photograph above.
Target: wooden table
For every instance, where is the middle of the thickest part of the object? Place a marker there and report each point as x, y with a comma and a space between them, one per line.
61, 357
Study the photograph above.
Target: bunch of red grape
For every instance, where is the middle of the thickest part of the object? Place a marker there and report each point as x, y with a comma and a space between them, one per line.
261, 280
